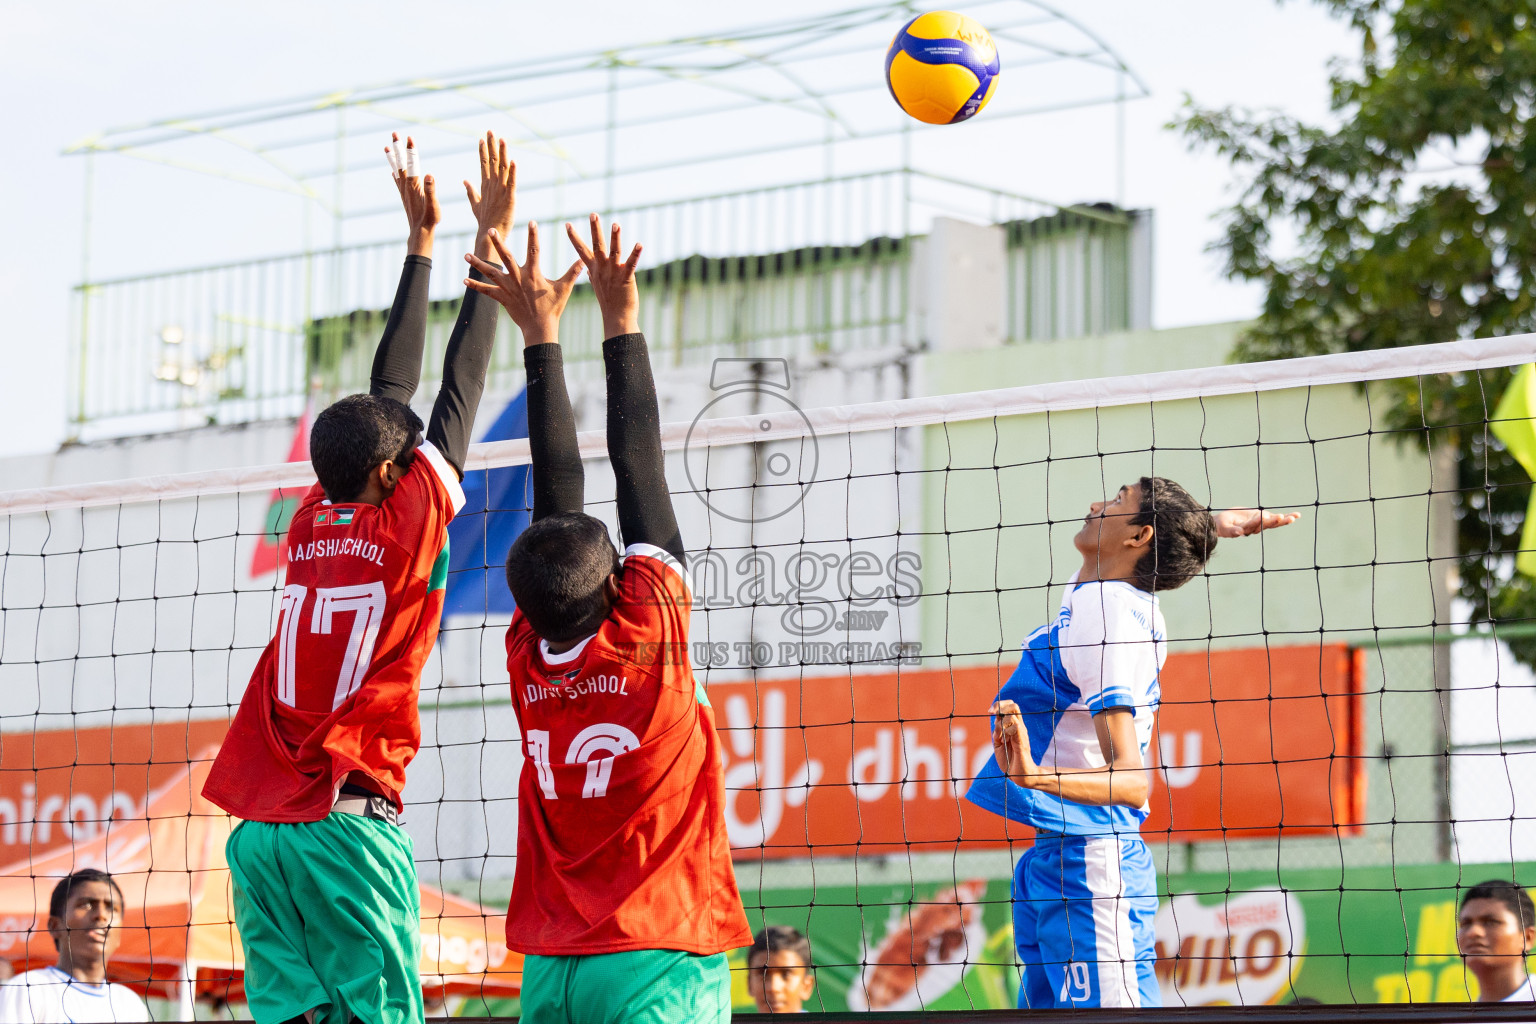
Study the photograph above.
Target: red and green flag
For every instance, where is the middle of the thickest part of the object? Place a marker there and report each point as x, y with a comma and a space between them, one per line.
271, 553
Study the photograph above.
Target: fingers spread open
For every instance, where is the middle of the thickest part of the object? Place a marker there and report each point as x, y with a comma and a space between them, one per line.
483, 287
634, 257
430, 187
391, 155
614, 248
485, 160
568, 279
412, 167
474, 197
502, 158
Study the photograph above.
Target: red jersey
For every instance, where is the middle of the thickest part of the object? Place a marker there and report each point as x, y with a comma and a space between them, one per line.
621, 841
335, 690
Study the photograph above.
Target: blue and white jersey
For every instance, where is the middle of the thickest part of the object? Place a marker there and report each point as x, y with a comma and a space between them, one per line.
1105, 650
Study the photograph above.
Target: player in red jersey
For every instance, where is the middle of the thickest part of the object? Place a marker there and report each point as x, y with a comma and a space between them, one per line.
624, 900
325, 890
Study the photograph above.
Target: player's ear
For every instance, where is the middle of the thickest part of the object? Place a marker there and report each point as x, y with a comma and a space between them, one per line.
389, 474
808, 982
611, 588
1142, 537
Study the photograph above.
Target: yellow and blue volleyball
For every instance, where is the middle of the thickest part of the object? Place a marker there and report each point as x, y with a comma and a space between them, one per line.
942, 67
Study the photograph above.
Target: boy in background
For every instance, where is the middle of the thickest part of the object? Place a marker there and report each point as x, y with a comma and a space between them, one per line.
84, 918
1495, 932
780, 975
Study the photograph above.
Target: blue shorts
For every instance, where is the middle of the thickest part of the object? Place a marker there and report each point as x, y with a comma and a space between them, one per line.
1083, 911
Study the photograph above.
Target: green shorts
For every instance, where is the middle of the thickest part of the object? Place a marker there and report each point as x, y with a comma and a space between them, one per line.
647, 986
329, 914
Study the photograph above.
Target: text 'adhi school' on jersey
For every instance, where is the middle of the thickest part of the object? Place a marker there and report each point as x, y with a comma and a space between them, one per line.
336, 689
1105, 650
621, 841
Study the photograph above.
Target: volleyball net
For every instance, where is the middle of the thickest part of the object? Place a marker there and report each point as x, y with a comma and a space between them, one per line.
1345, 742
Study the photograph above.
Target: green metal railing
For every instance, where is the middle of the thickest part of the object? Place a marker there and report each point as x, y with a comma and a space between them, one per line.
1070, 276
809, 269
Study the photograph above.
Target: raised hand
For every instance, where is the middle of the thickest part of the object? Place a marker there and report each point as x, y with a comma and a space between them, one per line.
418, 194
492, 203
612, 277
532, 301
1245, 522
1010, 743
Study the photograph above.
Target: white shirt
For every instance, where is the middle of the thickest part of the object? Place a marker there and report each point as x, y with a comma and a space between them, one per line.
1524, 994
1112, 643
49, 996
1104, 650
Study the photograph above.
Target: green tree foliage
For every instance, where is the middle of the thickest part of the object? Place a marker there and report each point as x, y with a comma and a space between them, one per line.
1410, 220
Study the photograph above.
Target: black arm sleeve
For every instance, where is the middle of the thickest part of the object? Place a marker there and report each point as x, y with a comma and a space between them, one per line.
464, 366
634, 446
397, 363
558, 479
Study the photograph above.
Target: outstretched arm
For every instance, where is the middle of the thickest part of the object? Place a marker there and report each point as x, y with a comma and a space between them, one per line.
397, 362
634, 421
535, 303
1245, 522
474, 333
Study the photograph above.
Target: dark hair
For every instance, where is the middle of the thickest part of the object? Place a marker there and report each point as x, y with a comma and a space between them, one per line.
556, 571
780, 936
59, 901
357, 434
1183, 535
1508, 893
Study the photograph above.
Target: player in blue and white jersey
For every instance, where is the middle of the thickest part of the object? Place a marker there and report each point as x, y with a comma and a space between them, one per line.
1071, 731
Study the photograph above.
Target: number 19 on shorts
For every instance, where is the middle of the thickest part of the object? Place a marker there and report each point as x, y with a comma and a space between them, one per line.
1075, 984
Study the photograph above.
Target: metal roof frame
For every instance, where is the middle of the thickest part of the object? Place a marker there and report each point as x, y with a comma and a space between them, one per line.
787, 65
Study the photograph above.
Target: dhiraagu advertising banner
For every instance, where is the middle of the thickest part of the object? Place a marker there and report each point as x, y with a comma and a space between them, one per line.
1245, 938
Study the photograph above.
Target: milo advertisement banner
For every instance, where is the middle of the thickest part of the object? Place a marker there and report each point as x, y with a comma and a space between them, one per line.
1239, 939
1268, 942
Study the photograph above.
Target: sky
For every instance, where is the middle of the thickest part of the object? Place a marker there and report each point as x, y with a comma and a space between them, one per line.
68, 70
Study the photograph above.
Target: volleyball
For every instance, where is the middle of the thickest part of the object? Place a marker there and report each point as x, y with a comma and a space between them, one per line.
942, 67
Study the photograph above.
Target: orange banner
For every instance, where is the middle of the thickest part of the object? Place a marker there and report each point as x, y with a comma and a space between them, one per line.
1257, 742
61, 787
869, 763
881, 763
